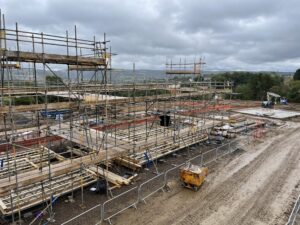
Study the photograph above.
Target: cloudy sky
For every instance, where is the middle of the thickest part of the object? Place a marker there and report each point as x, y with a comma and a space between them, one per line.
229, 34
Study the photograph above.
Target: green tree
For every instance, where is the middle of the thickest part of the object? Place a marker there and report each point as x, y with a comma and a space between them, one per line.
252, 86
297, 75
279, 89
244, 91
294, 91
53, 80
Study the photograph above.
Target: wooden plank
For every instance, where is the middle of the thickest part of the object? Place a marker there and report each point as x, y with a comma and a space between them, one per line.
32, 195
34, 107
57, 156
73, 105
110, 176
83, 68
66, 166
31, 163
178, 72
19, 56
30, 142
128, 163
11, 65
76, 151
2, 205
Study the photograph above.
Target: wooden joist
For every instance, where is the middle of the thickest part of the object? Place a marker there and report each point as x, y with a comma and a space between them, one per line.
31, 163
33, 194
83, 68
182, 72
110, 176
73, 105
26, 160
128, 162
19, 56
77, 151
11, 65
168, 146
60, 168
57, 156
35, 107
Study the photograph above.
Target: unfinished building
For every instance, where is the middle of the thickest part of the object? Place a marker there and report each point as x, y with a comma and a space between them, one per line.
62, 132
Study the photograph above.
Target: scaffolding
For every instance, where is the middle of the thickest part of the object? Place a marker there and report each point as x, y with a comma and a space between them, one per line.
185, 68
61, 132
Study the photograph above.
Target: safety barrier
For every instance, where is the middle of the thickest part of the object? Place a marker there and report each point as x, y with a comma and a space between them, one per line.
119, 203
294, 212
209, 156
223, 150
151, 186
92, 213
132, 197
172, 173
198, 160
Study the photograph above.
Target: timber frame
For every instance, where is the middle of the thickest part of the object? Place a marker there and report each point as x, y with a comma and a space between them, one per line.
93, 125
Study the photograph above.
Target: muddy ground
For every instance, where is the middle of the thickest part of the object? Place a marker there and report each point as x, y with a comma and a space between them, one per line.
257, 186
65, 209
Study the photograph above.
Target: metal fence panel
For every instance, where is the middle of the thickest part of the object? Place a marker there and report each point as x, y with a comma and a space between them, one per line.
151, 186
197, 160
92, 216
223, 150
234, 145
132, 197
294, 212
119, 203
172, 174
210, 156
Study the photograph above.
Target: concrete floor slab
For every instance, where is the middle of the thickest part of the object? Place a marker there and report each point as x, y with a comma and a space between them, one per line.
272, 113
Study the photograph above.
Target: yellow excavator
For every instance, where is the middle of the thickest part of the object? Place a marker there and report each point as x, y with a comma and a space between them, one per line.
193, 176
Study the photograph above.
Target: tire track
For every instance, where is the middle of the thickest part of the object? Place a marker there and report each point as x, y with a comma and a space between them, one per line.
263, 197
211, 200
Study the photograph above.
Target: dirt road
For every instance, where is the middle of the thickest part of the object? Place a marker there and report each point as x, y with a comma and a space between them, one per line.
257, 186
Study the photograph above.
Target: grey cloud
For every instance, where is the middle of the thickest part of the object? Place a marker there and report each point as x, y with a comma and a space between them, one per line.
231, 34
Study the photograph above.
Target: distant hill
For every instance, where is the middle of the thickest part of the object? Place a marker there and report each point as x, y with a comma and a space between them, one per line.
116, 76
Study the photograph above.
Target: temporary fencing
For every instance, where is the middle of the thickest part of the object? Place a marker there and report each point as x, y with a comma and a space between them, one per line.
294, 213
132, 197
119, 203
93, 213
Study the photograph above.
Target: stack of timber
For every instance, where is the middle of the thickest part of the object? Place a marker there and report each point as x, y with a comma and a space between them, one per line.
235, 124
128, 162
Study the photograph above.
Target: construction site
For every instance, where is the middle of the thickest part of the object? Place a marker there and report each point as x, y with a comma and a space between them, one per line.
80, 149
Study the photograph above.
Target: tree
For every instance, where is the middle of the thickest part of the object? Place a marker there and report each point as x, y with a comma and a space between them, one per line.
244, 92
294, 91
279, 89
53, 80
297, 75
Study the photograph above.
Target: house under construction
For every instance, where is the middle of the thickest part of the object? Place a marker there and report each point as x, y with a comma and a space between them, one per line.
62, 132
